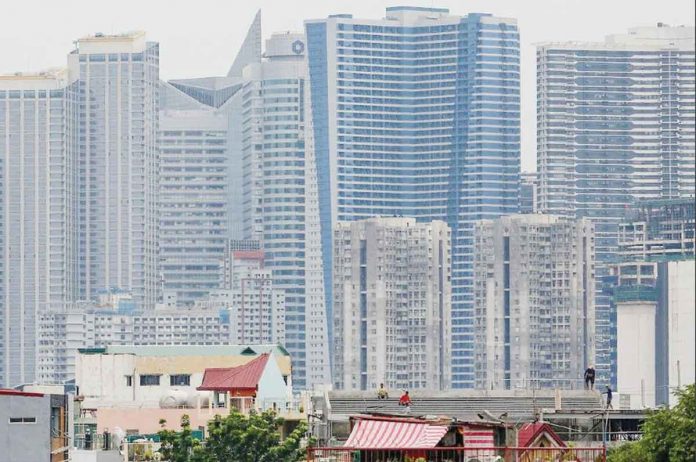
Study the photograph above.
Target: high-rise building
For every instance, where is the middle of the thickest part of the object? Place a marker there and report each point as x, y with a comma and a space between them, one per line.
654, 298
197, 199
534, 289
118, 171
417, 115
655, 330
38, 245
615, 125
658, 229
201, 181
280, 197
392, 304
80, 172
250, 293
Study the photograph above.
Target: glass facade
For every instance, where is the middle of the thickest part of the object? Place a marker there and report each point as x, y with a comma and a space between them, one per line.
280, 198
417, 115
615, 126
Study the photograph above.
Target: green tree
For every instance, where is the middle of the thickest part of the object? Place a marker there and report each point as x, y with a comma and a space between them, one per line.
669, 435
236, 438
180, 446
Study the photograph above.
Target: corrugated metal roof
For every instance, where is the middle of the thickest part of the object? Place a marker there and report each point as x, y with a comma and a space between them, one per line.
235, 378
531, 431
394, 433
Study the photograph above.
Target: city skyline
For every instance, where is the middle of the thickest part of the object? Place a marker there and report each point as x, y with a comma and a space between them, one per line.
324, 230
414, 113
209, 42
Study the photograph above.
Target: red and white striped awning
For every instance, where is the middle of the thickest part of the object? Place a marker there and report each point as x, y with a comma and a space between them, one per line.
394, 434
480, 438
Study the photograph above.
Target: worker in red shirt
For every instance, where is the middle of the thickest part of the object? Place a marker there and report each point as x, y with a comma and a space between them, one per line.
405, 400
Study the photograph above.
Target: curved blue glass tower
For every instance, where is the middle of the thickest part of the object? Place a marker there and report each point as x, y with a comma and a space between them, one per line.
418, 115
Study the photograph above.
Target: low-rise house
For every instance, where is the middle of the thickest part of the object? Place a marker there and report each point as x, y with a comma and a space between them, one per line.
34, 426
130, 388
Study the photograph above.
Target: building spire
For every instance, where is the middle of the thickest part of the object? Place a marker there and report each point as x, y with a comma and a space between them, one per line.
250, 51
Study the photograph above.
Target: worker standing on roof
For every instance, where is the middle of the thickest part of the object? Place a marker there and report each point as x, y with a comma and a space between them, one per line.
609, 396
589, 378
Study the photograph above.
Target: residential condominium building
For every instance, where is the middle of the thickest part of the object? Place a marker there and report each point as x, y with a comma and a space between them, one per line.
655, 330
392, 304
280, 197
249, 293
653, 294
38, 234
197, 192
658, 230
615, 126
227, 317
118, 167
201, 175
534, 299
417, 115
79, 164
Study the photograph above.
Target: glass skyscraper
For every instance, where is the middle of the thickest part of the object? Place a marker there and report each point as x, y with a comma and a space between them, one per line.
417, 115
280, 198
615, 126
201, 175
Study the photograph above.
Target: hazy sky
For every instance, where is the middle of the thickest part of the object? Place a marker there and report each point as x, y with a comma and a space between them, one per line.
201, 37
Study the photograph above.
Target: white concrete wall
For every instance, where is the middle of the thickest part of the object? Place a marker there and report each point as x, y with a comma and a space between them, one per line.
102, 381
681, 325
103, 376
272, 388
636, 352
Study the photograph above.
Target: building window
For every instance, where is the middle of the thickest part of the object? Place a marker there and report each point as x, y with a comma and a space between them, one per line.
148, 380
129, 380
22, 420
180, 379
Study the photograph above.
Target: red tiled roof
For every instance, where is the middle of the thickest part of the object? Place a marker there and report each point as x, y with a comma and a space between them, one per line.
11, 392
244, 377
531, 431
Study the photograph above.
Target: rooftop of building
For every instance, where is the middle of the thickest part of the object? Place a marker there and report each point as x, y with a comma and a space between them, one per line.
660, 36
421, 9
244, 377
416, 16
12, 392
121, 37
535, 218
98, 43
396, 221
49, 79
467, 405
187, 350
